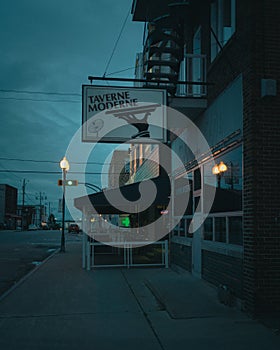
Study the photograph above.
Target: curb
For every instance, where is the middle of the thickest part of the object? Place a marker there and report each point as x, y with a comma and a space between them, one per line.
25, 277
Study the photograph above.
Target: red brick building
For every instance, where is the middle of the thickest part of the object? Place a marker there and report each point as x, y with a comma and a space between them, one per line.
8, 207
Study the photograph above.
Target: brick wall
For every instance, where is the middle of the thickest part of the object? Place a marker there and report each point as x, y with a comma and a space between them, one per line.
254, 52
261, 164
223, 269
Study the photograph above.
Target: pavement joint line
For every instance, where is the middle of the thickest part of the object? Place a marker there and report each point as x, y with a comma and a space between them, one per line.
3, 317
165, 308
25, 277
156, 296
145, 314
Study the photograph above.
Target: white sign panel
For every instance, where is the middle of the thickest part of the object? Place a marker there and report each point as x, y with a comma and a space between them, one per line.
119, 114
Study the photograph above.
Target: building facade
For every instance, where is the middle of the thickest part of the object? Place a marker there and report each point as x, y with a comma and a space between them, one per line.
32, 215
219, 61
119, 169
8, 207
144, 162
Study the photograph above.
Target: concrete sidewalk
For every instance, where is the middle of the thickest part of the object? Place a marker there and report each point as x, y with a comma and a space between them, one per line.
62, 306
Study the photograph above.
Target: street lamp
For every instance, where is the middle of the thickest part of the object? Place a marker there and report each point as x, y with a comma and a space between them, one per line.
64, 165
218, 170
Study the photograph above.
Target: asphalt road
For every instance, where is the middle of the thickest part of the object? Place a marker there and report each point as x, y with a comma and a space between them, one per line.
22, 251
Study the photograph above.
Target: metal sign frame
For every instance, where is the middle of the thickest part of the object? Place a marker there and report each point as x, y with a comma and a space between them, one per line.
113, 114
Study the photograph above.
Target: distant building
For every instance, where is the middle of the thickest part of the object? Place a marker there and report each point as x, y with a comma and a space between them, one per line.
8, 207
119, 169
28, 214
139, 69
144, 162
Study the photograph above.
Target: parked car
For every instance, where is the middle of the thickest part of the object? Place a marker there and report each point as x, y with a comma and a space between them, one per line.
73, 228
44, 226
32, 227
3, 226
54, 226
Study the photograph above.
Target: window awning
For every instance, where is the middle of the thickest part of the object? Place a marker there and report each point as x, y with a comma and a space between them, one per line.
130, 192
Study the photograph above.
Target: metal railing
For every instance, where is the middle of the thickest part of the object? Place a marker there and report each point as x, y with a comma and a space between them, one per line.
125, 254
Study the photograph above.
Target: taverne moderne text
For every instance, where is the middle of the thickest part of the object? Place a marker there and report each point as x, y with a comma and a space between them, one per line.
99, 103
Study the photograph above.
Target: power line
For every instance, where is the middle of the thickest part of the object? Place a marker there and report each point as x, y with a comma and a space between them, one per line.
31, 194
122, 70
29, 160
40, 92
53, 172
5, 170
51, 161
116, 43
30, 199
39, 100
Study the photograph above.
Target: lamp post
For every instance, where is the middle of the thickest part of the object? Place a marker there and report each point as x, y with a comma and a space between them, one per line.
64, 165
218, 170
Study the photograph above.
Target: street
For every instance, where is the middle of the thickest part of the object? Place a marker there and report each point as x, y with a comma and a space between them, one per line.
22, 251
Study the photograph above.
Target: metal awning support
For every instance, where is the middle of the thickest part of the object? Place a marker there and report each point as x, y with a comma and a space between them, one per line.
159, 81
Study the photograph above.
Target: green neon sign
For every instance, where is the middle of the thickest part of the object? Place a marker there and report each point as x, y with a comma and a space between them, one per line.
125, 221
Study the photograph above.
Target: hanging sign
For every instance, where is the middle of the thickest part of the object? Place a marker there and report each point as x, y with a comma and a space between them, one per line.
119, 114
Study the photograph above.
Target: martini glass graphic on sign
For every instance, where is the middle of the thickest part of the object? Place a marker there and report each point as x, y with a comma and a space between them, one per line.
95, 126
129, 115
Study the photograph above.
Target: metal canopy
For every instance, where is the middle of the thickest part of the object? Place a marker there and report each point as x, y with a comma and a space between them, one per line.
130, 192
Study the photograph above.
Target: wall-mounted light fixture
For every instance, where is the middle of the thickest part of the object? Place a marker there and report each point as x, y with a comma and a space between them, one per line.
219, 169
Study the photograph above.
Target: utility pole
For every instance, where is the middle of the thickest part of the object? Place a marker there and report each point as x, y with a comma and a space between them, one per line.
23, 192
40, 197
23, 202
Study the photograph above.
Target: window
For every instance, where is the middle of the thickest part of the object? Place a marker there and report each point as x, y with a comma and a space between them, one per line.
176, 230
222, 24
235, 231
197, 204
220, 229
188, 223
179, 229
182, 193
208, 229
197, 179
225, 229
228, 197
197, 41
182, 228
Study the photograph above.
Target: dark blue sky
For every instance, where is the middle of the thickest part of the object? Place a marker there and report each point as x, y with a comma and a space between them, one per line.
52, 47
